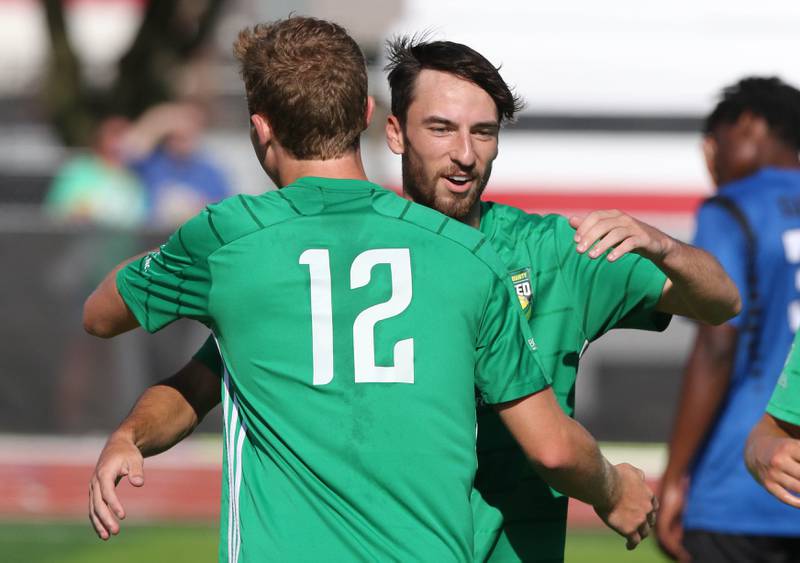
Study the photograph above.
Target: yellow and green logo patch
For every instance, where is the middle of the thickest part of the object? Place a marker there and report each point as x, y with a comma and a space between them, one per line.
522, 285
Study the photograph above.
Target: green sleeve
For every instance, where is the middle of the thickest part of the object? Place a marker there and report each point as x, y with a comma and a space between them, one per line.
508, 365
208, 355
785, 401
173, 281
608, 295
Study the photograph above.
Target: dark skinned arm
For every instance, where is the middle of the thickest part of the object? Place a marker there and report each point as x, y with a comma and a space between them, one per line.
164, 415
705, 385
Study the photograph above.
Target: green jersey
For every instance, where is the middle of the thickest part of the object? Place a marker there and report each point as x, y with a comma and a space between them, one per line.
785, 401
570, 300
353, 327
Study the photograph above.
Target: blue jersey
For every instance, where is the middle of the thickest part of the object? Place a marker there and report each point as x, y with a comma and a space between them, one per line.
760, 250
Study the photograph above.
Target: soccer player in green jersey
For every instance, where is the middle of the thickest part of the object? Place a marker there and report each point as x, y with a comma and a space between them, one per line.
443, 96
772, 453
348, 364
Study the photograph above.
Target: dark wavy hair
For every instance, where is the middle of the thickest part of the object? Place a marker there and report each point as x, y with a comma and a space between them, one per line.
770, 98
409, 55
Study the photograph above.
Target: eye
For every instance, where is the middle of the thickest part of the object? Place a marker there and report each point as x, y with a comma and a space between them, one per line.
439, 129
486, 133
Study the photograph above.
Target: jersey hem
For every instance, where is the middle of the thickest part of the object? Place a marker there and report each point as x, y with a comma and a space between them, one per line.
129, 298
792, 417
518, 391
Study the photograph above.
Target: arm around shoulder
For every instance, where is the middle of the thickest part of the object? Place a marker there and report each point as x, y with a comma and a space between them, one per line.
697, 286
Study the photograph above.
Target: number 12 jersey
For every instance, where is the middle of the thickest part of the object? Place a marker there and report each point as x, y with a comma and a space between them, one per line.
353, 327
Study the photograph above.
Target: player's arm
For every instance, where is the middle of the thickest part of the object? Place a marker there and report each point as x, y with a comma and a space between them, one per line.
164, 415
705, 385
509, 374
772, 455
568, 458
697, 285
159, 287
105, 314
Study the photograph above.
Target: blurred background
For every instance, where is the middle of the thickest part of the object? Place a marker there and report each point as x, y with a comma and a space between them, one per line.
119, 119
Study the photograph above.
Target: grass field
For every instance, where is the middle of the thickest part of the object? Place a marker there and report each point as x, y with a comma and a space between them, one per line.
178, 543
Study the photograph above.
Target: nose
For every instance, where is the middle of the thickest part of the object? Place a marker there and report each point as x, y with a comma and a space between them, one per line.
463, 151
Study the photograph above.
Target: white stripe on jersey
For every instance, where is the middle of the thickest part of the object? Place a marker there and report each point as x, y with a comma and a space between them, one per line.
235, 433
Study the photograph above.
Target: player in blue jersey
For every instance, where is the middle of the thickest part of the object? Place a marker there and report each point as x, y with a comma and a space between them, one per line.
752, 226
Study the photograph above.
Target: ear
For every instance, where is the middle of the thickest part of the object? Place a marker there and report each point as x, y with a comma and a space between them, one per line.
370, 110
394, 135
710, 155
260, 130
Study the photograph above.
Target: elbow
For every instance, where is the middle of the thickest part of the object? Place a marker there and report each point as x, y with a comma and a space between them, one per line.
736, 306
93, 323
555, 459
729, 310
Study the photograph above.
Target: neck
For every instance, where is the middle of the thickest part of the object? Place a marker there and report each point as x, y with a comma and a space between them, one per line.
473, 218
780, 156
348, 167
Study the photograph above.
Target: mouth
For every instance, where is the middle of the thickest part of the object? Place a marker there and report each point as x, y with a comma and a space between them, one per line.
458, 183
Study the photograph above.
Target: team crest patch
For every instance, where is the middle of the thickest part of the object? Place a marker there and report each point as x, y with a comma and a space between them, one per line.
522, 285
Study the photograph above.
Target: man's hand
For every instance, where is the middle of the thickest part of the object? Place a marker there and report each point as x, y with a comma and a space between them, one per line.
669, 526
119, 457
773, 458
601, 230
634, 511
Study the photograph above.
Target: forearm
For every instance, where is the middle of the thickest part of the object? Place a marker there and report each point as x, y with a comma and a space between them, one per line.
586, 474
105, 314
564, 454
705, 385
762, 440
698, 285
160, 419
170, 410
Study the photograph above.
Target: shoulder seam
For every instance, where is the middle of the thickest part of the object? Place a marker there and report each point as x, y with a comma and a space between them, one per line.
246, 206
405, 209
223, 244
214, 229
288, 201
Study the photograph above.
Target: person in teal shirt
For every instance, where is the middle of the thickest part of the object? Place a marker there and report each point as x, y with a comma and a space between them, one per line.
97, 187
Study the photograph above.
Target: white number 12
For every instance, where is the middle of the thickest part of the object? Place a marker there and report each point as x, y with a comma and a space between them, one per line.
319, 266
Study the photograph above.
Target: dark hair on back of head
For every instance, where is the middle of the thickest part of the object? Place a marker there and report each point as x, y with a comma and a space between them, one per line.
409, 55
770, 98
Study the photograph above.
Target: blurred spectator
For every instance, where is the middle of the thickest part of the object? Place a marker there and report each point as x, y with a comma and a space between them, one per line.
97, 187
180, 179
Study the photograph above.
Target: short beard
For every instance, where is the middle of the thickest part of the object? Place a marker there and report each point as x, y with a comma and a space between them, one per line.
456, 207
